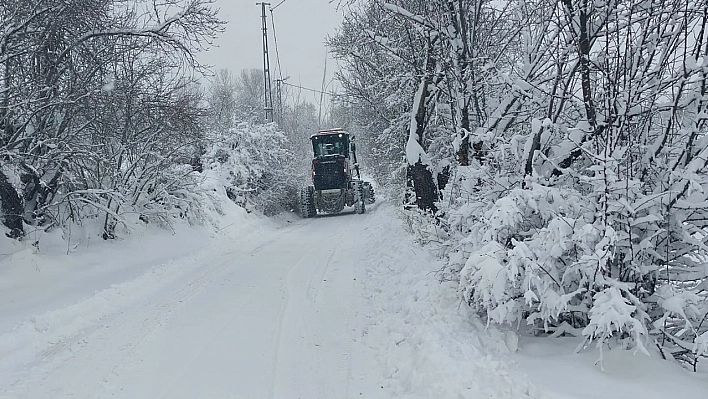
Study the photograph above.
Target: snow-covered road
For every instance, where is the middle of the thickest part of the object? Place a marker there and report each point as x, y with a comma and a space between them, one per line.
266, 316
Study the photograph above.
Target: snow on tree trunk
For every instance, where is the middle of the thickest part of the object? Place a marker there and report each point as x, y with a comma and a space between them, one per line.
419, 176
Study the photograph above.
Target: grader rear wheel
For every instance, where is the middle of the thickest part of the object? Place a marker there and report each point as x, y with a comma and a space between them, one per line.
307, 202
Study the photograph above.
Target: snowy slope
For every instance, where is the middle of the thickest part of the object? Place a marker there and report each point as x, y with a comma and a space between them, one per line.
333, 307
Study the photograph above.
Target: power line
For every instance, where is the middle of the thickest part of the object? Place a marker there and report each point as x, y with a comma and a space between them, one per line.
329, 93
276, 6
275, 41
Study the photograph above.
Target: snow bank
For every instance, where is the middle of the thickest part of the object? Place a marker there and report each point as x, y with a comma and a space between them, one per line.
430, 346
52, 296
554, 366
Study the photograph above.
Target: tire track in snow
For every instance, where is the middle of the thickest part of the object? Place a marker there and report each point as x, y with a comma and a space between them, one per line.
318, 276
289, 286
316, 335
224, 266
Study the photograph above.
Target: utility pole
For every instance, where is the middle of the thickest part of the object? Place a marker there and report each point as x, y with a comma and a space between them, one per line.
268, 106
279, 90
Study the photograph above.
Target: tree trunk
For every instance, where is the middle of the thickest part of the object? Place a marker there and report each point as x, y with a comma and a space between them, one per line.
419, 176
11, 208
584, 47
443, 177
421, 179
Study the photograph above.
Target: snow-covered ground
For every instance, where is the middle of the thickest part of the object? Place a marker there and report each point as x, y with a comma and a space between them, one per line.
340, 306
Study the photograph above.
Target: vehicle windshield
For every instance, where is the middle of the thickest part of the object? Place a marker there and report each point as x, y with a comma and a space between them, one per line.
330, 144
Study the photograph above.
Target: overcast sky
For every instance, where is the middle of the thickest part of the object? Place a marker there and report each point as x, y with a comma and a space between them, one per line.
301, 27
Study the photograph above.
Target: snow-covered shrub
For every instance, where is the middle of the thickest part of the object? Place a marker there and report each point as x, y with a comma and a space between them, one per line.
257, 167
172, 195
595, 255
588, 216
683, 325
530, 234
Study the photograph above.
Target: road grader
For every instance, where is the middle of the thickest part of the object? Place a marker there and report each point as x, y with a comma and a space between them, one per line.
333, 183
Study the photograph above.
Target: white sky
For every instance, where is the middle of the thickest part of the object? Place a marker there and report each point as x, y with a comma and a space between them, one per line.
301, 27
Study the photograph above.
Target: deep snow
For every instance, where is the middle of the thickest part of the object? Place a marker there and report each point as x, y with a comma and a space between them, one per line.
340, 306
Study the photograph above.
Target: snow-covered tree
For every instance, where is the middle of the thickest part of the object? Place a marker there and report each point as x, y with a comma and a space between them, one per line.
388, 71
587, 235
258, 163
61, 62
256, 166
576, 195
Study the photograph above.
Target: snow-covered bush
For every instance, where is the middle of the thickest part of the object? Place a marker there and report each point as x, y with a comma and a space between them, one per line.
588, 217
592, 256
594, 253
256, 166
